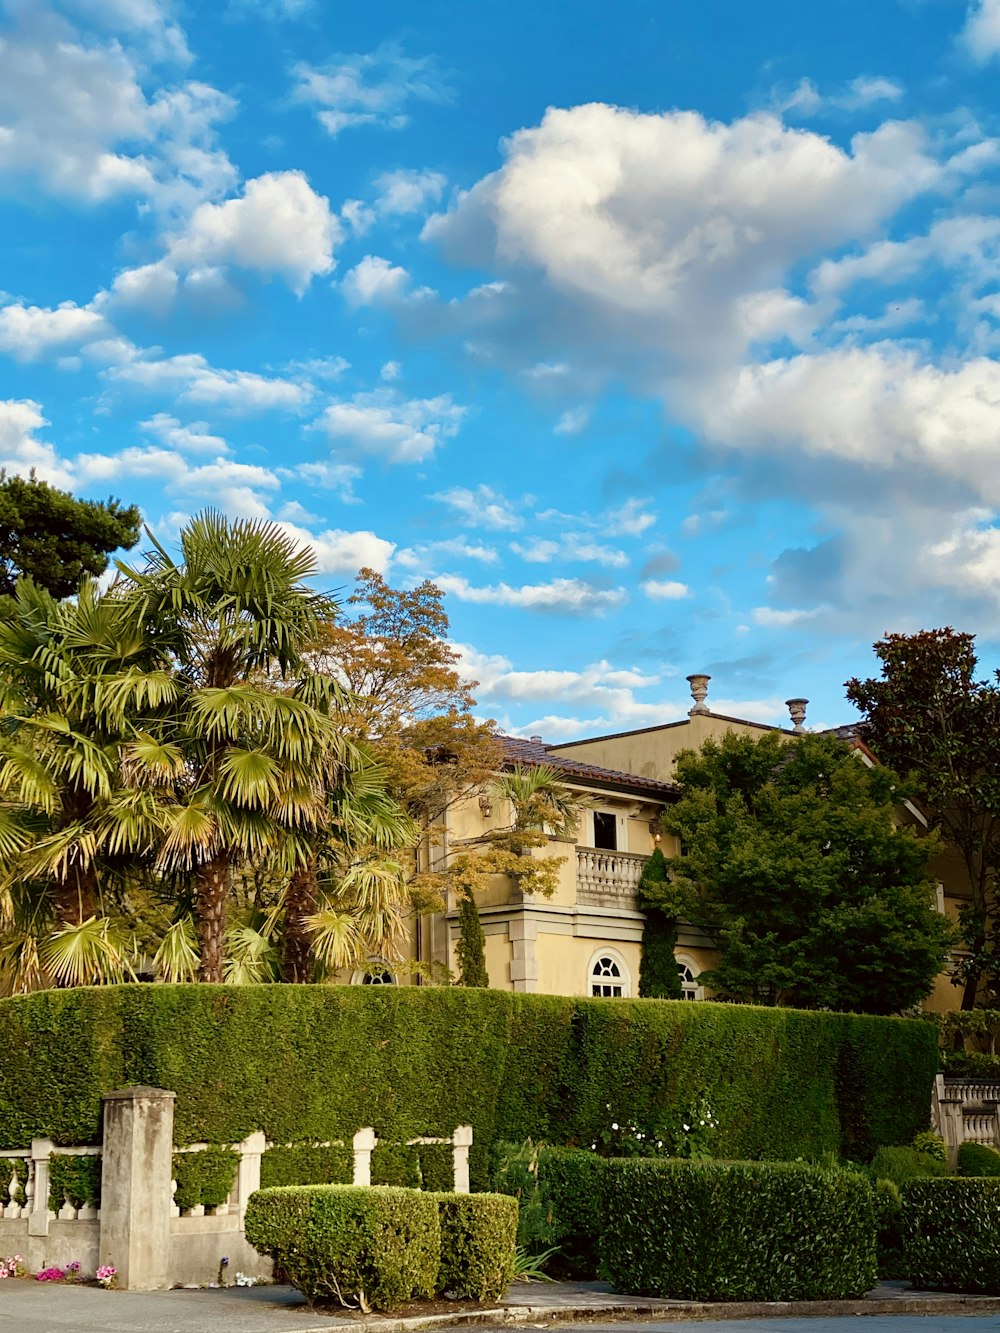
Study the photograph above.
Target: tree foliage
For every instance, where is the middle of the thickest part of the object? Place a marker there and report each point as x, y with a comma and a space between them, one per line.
55, 539
933, 720
658, 900
793, 863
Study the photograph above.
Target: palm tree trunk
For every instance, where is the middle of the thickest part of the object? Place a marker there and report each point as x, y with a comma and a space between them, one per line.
211, 893
301, 898
75, 898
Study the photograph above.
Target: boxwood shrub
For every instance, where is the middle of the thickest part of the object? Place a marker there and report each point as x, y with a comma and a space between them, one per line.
316, 1063
375, 1245
478, 1244
737, 1231
976, 1159
559, 1192
902, 1164
951, 1233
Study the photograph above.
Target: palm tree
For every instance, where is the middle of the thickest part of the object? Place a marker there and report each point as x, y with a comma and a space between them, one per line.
248, 762
78, 681
541, 801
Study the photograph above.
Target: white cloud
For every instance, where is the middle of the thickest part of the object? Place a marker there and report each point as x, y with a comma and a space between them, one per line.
981, 33
566, 596
420, 559
805, 98
339, 477
482, 508
192, 379
373, 88
774, 618
234, 487
21, 451
375, 281
384, 424
390, 371
630, 519
27, 332
339, 552
408, 191
150, 288
278, 225
665, 590
77, 121
192, 439
149, 20
572, 421
570, 546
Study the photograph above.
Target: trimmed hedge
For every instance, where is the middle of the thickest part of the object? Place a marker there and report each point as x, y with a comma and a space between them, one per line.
317, 1062
303, 1164
77, 1179
951, 1233
559, 1191
375, 1245
976, 1159
478, 1244
205, 1177
737, 1231
888, 1207
902, 1164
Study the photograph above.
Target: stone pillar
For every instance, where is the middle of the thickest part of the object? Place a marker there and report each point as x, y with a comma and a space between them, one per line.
522, 933
364, 1146
952, 1127
461, 1143
136, 1186
38, 1218
251, 1150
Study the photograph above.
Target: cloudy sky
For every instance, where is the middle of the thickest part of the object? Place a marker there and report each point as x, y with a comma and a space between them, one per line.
664, 340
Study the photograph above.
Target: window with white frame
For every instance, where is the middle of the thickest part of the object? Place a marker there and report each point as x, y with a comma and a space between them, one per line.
375, 974
690, 990
609, 975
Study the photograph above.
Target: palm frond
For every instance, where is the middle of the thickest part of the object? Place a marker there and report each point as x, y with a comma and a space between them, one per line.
95, 952
177, 958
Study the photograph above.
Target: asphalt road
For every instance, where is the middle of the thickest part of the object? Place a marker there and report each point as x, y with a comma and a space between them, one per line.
893, 1323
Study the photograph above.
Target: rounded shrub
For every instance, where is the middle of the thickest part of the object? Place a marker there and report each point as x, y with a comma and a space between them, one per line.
737, 1231
976, 1159
478, 1244
377, 1245
951, 1233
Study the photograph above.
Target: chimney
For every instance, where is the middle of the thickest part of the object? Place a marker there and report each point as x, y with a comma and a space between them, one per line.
699, 689
797, 710
536, 740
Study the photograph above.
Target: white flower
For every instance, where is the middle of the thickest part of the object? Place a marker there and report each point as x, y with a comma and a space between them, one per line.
686, 1128
614, 1124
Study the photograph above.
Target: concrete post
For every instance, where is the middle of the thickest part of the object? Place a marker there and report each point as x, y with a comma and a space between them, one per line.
136, 1182
364, 1146
461, 1143
38, 1218
251, 1150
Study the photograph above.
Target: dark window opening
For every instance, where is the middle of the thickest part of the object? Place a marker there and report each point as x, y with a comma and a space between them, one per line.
605, 831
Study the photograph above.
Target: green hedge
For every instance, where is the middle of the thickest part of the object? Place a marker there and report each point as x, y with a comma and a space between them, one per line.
478, 1244
204, 1177
303, 1164
375, 1246
888, 1209
951, 1234
737, 1231
559, 1192
77, 1179
976, 1159
902, 1164
318, 1062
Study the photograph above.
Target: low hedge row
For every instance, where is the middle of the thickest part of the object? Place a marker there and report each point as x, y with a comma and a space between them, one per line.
976, 1159
559, 1193
317, 1063
729, 1231
950, 1232
902, 1164
381, 1246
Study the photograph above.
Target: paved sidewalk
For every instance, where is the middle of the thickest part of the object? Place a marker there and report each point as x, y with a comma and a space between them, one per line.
34, 1307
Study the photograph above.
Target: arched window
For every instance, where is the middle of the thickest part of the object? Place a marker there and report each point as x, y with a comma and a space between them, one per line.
690, 990
375, 974
609, 975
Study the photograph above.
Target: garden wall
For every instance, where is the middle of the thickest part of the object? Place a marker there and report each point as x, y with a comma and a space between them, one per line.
313, 1063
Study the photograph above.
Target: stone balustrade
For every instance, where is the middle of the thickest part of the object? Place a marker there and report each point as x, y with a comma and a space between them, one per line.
966, 1111
607, 879
139, 1229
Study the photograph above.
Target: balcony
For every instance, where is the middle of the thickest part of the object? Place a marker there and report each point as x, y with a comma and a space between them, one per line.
607, 879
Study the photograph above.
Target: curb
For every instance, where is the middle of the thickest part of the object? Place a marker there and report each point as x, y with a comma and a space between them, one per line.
514, 1315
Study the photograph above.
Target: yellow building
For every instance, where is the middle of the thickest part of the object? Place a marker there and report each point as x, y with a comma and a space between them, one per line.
586, 938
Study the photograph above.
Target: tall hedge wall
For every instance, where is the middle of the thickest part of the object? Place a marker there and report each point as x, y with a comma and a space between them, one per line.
312, 1062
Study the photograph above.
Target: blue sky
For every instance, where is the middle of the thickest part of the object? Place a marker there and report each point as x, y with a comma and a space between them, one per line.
662, 336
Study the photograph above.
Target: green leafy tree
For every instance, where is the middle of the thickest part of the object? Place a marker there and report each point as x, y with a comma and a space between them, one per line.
932, 719
794, 864
247, 764
55, 539
659, 978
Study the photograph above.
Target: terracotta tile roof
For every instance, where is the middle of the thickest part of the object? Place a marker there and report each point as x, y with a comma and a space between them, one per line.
530, 753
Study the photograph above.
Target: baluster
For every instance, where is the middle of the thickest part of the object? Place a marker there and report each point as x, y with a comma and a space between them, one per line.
12, 1208
174, 1210
29, 1191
